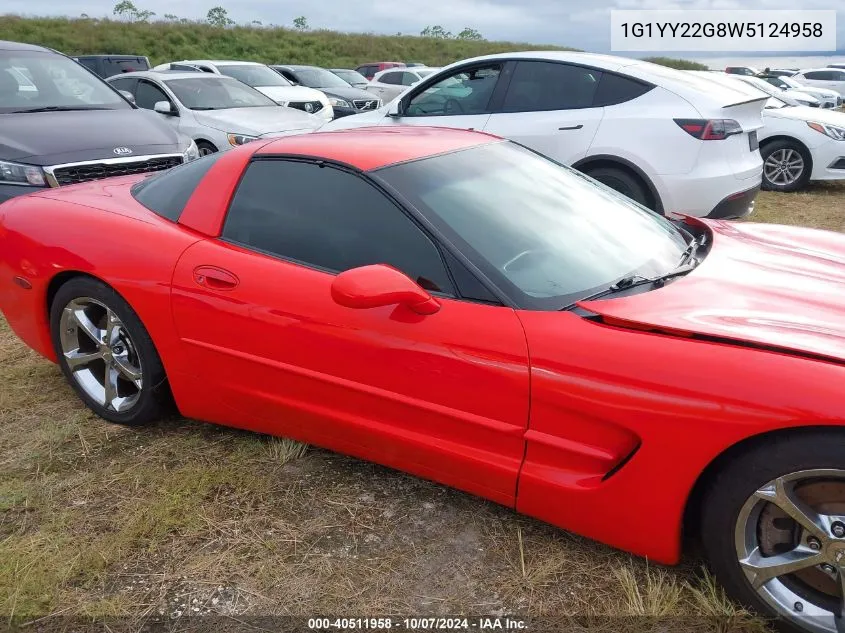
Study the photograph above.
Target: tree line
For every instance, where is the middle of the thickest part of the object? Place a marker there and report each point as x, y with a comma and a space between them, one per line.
219, 16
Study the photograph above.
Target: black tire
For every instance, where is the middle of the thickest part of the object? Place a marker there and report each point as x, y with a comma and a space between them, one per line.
623, 182
740, 477
786, 146
206, 148
154, 395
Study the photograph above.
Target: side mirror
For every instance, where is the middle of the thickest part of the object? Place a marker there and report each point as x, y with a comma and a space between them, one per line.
164, 107
379, 285
395, 109
127, 95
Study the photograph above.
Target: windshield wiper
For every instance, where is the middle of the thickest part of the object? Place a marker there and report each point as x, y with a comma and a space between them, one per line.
57, 109
685, 265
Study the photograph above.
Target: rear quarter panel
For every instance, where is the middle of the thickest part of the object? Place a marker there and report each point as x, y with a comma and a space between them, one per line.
103, 233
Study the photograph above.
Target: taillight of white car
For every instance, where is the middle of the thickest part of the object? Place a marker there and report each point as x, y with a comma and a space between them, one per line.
710, 130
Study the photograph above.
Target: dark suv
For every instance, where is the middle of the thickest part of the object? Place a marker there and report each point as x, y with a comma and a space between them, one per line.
109, 65
61, 124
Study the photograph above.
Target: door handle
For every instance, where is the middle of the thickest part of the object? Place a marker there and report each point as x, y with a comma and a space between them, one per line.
572, 127
215, 278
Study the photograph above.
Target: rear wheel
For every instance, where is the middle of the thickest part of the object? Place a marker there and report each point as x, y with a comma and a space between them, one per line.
106, 353
623, 182
773, 528
206, 148
787, 166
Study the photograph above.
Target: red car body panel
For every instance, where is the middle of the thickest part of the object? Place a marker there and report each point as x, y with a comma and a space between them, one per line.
790, 295
595, 424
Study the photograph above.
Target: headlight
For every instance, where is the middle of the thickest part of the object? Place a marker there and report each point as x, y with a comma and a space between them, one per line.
339, 103
239, 139
191, 153
17, 174
834, 132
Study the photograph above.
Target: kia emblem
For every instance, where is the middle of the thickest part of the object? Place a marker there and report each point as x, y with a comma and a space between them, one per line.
122, 151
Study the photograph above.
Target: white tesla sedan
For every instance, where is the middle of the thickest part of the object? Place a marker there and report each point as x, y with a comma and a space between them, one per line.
218, 112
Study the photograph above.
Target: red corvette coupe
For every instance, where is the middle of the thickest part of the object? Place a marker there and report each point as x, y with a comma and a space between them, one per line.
456, 306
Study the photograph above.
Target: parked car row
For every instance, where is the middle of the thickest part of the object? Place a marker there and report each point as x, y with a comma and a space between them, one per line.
825, 84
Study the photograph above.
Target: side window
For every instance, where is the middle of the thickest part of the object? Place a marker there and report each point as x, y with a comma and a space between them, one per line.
148, 94
367, 71
393, 79
167, 192
615, 89
127, 84
409, 79
466, 91
330, 219
819, 75
537, 86
90, 64
838, 75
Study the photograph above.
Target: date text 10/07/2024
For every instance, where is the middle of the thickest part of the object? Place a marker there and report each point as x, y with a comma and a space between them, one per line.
483, 623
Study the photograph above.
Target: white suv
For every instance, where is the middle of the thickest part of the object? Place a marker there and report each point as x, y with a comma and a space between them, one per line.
672, 141
265, 80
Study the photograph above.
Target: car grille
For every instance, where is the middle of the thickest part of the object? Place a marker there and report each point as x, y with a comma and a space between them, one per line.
312, 107
814, 105
73, 173
365, 104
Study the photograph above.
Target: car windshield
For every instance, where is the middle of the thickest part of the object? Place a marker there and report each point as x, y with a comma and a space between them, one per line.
254, 75
548, 234
207, 92
351, 76
789, 81
319, 78
38, 80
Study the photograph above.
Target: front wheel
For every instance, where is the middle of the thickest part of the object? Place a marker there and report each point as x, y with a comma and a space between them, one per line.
773, 528
787, 166
106, 353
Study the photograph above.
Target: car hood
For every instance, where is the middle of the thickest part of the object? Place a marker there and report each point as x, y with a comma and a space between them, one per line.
349, 93
823, 92
292, 93
763, 284
805, 113
365, 119
49, 138
257, 121
800, 94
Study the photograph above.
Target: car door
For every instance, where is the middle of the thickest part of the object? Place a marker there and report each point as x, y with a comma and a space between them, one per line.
386, 85
444, 395
459, 99
549, 107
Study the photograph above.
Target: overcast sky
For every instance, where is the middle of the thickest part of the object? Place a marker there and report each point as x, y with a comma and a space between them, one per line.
579, 23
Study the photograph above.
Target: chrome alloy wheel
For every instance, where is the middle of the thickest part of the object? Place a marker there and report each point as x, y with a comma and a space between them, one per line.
790, 542
783, 167
100, 354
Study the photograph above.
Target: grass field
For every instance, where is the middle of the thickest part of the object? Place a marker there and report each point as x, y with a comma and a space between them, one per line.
185, 519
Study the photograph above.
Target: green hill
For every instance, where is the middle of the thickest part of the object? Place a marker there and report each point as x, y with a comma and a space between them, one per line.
164, 41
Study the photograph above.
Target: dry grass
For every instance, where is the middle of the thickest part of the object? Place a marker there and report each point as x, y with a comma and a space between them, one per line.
185, 518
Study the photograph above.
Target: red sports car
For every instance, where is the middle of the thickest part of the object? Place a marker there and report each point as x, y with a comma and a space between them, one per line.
459, 307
